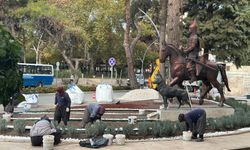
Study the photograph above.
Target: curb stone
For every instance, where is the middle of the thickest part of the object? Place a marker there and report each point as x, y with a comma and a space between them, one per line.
20, 139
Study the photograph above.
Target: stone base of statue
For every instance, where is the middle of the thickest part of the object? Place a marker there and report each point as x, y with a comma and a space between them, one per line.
211, 108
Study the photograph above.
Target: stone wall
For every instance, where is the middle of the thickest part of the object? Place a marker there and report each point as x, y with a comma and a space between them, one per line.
239, 80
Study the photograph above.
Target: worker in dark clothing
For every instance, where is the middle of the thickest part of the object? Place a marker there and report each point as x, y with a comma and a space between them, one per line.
92, 113
62, 106
195, 122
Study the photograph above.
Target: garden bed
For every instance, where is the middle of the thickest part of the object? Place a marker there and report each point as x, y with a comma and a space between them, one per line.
140, 130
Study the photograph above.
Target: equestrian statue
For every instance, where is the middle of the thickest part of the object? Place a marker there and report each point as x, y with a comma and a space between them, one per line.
191, 64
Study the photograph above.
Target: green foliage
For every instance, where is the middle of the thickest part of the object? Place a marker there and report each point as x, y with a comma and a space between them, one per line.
168, 129
19, 126
128, 130
3, 125
163, 129
72, 132
240, 118
95, 129
179, 126
110, 129
238, 105
225, 27
10, 77
145, 128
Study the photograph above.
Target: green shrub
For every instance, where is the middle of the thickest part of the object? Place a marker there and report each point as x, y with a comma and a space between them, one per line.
96, 129
3, 125
179, 126
110, 130
63, 74
164, 128
128, 130
167, 129
71, 131
237, 104
145, 128
121, 88
156, 129
87, 88
19, 126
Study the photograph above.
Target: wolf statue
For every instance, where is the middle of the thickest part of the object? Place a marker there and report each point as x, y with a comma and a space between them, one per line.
170, 92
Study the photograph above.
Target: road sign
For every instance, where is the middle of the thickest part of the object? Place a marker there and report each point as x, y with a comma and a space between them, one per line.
112, 61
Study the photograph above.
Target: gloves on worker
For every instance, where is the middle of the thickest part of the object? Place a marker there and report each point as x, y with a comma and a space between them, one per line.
67, 109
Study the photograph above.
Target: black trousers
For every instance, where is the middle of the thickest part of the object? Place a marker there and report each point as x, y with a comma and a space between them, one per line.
61, 114
200, 126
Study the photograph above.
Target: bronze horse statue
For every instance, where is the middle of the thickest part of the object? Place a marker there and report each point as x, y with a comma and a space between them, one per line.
208, 73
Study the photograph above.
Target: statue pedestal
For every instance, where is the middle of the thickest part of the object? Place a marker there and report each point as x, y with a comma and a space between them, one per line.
212, 111
170, 114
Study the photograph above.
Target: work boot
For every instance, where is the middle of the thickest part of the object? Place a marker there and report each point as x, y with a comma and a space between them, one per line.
194, 136
200, 139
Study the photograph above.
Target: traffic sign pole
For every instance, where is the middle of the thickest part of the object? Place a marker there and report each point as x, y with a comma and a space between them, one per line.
111, 72
112, 62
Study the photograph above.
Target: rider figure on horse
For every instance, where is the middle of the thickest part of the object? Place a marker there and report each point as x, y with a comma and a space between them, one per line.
192, 50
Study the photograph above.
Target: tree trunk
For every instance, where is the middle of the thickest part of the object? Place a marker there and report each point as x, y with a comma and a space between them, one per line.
73, 68
69, 62
127, 46
173, 28
163, 17
37, 56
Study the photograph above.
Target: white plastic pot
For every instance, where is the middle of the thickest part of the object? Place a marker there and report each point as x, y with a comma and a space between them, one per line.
186, 136
48, 142
7, 117
120, 139
109, 137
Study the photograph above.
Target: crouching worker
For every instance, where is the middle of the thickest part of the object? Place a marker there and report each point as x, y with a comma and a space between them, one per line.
92, 113
195, 122
42, 127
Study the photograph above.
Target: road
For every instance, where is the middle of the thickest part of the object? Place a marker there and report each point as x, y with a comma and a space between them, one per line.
48, 99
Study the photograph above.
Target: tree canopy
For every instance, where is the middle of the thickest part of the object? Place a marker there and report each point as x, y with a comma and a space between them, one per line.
93, 30
225, 27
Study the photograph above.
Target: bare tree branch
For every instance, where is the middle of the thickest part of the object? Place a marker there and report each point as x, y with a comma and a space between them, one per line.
138, 35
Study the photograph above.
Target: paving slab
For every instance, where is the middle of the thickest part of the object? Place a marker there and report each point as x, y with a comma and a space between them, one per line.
238, 141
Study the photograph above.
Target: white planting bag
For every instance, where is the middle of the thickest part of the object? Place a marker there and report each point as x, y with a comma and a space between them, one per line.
76, 94
104, 93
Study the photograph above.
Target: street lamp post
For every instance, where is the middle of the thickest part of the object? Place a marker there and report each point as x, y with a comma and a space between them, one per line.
57, 70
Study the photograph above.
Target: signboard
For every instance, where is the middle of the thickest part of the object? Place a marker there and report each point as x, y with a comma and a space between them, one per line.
112, 61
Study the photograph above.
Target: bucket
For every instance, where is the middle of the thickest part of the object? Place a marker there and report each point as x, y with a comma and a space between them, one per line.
186, 136
48, 142
132, 119
109, 137
7, 117
120, 139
